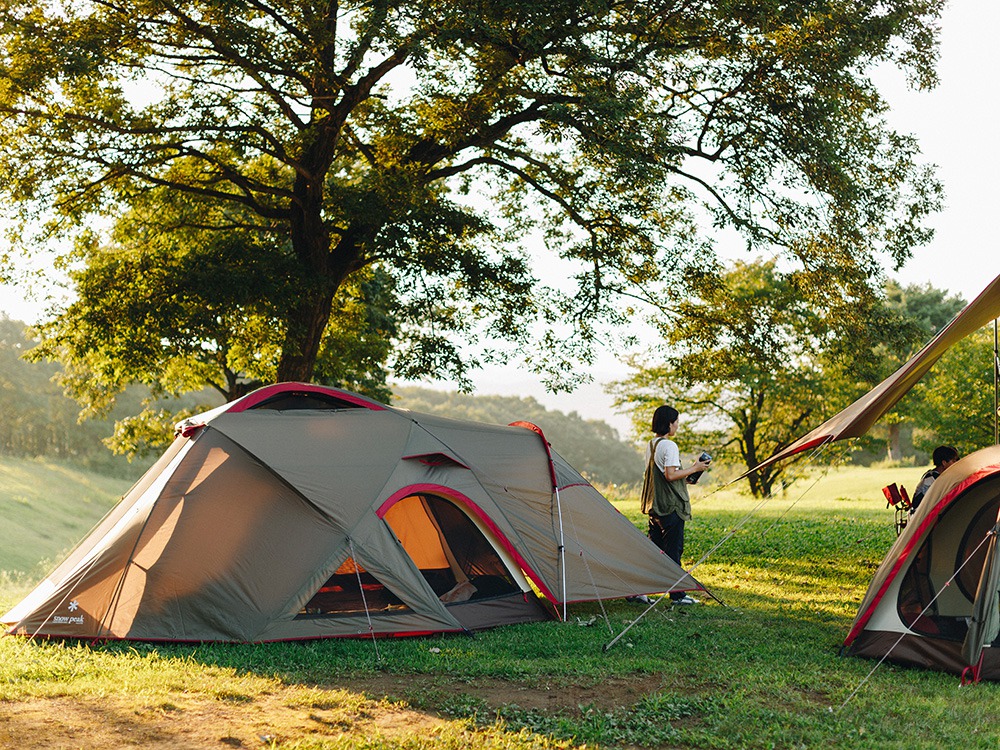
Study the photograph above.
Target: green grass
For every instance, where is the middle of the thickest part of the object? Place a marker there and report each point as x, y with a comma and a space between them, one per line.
761, 671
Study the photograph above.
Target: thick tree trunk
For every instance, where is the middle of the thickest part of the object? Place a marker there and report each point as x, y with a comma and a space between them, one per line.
324, 270
304, 336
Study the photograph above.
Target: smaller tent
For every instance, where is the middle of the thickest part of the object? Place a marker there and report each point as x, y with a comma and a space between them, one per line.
934, 601
301, 512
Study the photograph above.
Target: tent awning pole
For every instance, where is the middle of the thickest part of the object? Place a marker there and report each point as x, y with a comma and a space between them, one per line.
996, 384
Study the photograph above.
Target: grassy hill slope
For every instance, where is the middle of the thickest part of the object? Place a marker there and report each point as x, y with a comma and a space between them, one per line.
47, 507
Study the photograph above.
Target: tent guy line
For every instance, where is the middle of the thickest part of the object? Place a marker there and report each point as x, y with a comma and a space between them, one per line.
811, 457
364, 599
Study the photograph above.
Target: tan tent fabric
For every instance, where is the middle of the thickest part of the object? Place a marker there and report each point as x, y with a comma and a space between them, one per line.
858, 418
274, 518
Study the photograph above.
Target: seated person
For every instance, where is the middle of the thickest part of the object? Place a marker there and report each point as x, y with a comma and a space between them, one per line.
943, 457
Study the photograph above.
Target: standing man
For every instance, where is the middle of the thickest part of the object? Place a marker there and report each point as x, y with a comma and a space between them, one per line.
664, 490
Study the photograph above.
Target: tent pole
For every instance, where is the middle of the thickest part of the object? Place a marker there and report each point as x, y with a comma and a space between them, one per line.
562, 547
996, 384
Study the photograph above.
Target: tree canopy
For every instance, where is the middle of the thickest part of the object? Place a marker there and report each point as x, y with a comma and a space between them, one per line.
444, 143
954, 403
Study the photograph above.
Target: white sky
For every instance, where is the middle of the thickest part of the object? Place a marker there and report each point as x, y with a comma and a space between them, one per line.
956, 128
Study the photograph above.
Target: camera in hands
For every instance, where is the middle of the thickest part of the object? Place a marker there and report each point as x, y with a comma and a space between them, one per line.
693, 478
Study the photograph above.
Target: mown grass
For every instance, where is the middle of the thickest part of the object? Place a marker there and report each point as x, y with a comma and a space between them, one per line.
761, 670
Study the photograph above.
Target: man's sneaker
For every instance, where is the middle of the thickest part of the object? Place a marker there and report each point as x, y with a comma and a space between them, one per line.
686, 600
641, 599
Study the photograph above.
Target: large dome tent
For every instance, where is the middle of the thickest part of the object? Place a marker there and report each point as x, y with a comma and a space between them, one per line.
301, 511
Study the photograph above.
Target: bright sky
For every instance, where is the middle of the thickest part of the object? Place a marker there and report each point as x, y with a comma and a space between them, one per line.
956, 128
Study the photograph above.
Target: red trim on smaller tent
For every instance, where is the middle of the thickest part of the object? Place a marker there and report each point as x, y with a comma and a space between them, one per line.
458, 497
929, 520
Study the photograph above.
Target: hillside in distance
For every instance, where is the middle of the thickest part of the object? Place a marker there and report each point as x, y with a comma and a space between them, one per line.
593, 447
48, 506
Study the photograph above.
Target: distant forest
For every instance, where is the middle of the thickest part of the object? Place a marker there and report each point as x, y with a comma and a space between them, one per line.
40, 421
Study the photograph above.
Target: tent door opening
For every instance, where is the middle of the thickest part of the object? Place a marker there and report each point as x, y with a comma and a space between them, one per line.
451, 551
954, 544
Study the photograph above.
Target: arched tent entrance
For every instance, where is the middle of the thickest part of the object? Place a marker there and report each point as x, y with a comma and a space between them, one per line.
929, 603
460, 559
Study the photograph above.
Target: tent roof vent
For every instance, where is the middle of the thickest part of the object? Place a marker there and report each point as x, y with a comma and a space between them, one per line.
436, 459
298, 396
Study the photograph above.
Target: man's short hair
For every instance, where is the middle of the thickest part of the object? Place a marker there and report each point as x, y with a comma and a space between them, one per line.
944, 453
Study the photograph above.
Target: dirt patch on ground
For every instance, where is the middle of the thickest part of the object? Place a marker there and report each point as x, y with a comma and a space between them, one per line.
63, 723
550, 696
363, 707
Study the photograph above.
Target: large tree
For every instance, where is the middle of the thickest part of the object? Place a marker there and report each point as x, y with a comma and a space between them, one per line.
432, 139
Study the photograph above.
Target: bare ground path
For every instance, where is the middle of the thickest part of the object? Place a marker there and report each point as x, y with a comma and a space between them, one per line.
192, 722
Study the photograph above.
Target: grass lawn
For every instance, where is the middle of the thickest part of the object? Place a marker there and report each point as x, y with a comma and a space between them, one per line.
761, 670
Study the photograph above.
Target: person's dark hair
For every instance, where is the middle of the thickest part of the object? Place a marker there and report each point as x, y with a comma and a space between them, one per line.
944, 453
663, 417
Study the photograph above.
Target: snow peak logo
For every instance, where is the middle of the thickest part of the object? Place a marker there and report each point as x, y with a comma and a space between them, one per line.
73, 606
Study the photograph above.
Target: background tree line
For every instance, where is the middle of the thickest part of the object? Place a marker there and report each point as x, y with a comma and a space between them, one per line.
749, 364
